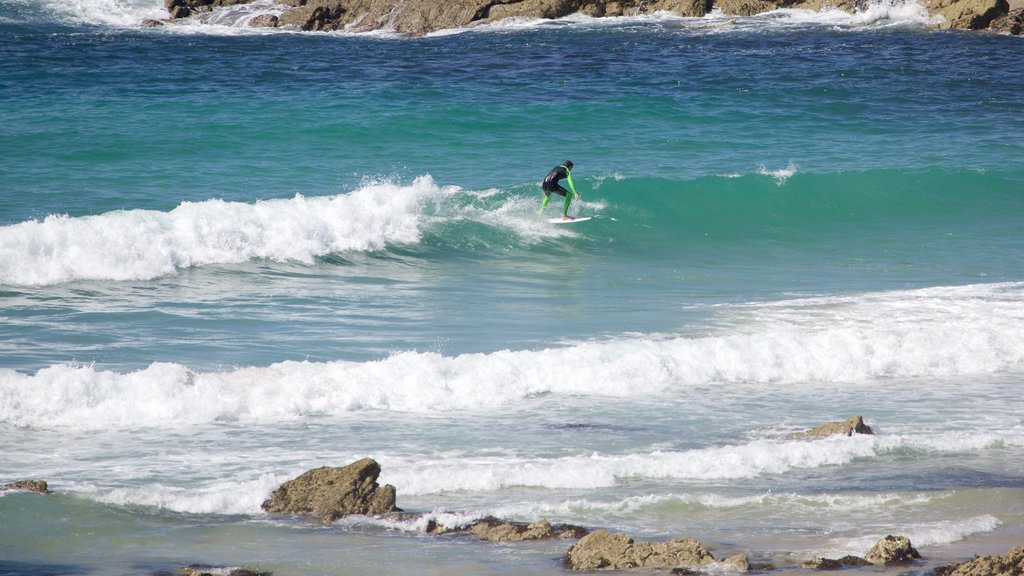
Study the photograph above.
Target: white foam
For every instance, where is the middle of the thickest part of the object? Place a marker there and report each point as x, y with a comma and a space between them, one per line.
606, 470
780, 175
924, 333
144, 244
921, 534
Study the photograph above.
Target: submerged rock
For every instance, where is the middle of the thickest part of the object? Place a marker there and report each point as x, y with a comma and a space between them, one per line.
836, 564
602, 549
492, 529
39, 486
330, 493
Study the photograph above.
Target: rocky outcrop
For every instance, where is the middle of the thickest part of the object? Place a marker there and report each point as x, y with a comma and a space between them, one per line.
892, 550
1010, 565
602, 549
889, 551
492, 529
967, 14
418, 17
331, 493
1010, 23
39, 486
849, 427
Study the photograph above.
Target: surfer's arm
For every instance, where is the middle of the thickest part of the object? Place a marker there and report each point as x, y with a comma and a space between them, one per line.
568, 177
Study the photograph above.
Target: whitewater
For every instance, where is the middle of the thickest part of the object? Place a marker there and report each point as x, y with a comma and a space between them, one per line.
230, 255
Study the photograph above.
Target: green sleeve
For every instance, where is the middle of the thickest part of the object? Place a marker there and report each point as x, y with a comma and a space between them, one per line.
568, 175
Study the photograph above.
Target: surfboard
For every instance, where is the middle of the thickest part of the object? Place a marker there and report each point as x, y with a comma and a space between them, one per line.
560, 221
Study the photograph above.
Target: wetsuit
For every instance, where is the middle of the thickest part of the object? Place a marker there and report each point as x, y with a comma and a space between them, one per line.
551, 185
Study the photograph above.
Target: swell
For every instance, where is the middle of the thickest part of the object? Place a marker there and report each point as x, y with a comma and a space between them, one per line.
807, 213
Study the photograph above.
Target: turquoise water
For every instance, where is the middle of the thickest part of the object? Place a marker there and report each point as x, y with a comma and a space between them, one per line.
230, 256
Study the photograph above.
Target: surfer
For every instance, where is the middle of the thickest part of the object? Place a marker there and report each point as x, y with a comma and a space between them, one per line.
551, 185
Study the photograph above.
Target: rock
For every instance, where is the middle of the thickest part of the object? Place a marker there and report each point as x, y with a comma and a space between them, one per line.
602, 549
739, 562
1010, 23
892, 550
745, 7
185, 8
150, 23
324, 15
1010, 565
264, 21
418, 17
204, 570
39, 486
967, 14
838, 564
331, 493
494, 530
853, 424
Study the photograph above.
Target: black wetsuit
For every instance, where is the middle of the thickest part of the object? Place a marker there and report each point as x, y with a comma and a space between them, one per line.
551, 181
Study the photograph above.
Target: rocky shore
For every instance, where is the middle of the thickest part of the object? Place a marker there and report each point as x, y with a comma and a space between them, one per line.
419, 17
329, 493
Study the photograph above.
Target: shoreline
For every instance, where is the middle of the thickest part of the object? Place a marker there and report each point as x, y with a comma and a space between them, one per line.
420, 17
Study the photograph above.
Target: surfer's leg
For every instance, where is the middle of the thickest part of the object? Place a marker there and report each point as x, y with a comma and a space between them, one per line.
568, 199
544, 203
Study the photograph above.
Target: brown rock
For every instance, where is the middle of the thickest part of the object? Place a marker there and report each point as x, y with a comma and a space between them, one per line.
494, 530
853, 424
1010, 23
1010, 565
602, 549
745, 7
892, 550
967, 14
331, 493
263, 21
39, 486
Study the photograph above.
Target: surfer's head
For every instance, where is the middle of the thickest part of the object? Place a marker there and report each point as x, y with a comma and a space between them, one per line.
568, 164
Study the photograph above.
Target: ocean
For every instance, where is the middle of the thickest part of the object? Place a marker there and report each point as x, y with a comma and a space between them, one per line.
230, 255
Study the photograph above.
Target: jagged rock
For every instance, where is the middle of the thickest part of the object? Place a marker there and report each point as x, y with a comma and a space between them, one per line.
39, 486
745, 7
264, 21
1010, 23
836, 564
1010, 565
495, 530
418, 17
185, 8
892, 550
853, 424
150, 23
602, 549
968, 14
331, 493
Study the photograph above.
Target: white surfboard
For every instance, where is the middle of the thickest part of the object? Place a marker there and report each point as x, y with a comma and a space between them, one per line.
573, 221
